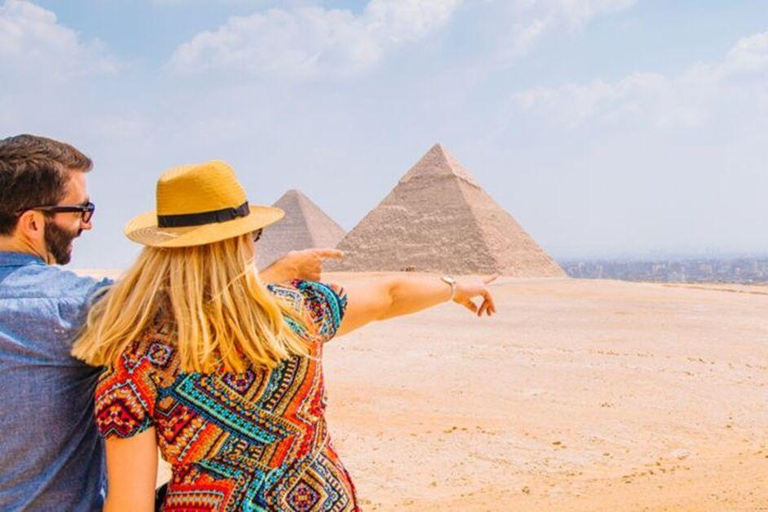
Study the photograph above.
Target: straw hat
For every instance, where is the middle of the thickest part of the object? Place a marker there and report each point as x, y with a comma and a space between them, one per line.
199, 204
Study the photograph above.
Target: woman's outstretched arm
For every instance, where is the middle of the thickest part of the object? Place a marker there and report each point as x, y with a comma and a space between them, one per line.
388, 296
131, 473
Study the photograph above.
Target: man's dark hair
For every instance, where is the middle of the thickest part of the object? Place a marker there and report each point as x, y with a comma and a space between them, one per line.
34, 171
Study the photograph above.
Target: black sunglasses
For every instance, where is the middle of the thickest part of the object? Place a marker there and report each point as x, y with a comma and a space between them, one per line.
86, 210
256, 235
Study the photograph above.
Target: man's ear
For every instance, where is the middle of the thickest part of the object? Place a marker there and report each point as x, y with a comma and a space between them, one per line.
31, 225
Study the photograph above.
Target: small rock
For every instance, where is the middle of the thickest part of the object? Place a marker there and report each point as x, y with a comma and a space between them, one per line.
680, 454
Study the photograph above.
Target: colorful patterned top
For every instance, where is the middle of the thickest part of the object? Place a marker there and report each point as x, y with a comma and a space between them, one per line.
255, 441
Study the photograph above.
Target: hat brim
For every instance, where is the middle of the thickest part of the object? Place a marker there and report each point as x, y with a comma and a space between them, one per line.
143, 229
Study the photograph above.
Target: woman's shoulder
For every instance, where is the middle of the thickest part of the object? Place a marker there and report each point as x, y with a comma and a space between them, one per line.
322, 303
130, 384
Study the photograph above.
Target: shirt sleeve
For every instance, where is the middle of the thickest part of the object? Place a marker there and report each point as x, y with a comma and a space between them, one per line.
325, 305
98, 289
125, 397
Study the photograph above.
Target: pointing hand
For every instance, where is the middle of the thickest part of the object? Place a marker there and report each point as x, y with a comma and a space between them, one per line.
467, 289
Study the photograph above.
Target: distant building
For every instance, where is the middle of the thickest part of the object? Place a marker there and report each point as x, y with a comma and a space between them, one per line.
722, 270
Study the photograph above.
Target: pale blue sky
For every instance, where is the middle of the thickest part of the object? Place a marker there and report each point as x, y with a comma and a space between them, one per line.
606, 127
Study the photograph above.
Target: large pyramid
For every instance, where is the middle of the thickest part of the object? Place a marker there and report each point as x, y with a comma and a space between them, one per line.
439, 219
304, 226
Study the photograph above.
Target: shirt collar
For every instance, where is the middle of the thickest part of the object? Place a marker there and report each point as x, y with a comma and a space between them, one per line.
19, 259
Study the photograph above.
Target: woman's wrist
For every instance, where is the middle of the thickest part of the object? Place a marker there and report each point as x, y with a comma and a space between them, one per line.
450, 281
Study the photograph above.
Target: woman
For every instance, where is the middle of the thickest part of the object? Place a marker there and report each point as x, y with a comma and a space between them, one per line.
220, 372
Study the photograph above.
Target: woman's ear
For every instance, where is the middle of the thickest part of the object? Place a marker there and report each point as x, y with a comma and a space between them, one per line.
249, 248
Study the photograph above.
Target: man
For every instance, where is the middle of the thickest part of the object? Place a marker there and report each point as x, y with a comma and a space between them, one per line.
51, 456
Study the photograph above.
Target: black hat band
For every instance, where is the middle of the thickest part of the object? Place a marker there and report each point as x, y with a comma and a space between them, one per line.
198, 219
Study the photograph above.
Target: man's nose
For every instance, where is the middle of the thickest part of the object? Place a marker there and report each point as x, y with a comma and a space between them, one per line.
86, 226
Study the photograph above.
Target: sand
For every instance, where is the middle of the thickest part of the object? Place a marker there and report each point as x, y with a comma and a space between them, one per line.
578, 395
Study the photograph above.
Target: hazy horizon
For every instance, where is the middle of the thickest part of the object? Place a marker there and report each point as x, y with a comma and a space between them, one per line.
572, 258
605, 127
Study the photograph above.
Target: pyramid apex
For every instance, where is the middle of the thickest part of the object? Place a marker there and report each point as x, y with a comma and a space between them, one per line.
292, 194
439, 149
439, 161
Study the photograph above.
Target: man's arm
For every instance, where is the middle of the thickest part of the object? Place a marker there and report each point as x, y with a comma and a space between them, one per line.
306, 264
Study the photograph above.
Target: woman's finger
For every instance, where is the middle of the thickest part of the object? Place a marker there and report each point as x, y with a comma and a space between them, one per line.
488, 297
490, 308
328, 254
490, 279
470, 306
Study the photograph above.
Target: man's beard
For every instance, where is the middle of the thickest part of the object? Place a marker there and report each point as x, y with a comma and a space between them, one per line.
58, 239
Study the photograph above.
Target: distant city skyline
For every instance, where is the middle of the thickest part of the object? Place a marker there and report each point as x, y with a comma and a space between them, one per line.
744, 270
605, 127
610, 253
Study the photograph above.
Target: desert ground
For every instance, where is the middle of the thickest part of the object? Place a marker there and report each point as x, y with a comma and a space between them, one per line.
577, 396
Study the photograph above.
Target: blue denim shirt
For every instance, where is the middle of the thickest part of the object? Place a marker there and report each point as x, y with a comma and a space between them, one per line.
51, 455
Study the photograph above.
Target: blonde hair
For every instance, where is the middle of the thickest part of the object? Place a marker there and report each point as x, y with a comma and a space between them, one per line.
223, 314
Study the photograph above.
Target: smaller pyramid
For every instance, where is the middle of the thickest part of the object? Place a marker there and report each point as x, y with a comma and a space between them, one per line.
305, 226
